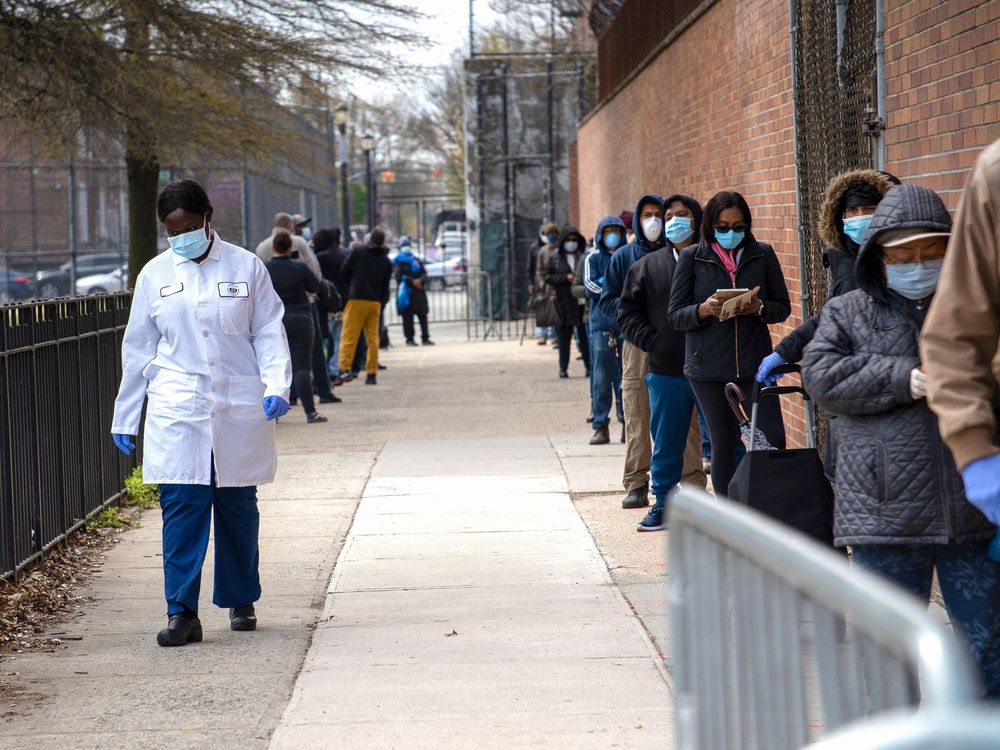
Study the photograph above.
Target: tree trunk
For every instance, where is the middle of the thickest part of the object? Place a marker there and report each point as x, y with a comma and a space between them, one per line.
143, 182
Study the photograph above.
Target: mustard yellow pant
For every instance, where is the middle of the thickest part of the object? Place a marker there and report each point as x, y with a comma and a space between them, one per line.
360, 315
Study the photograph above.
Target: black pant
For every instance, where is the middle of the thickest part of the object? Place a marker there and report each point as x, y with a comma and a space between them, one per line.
321, 377
360, 354
408, 331
724, 428
299, 330
564, 335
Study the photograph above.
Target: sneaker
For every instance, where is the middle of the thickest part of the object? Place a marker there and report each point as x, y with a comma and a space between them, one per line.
336, 380
382, 367
346, 377
331, 399
563, 374
590, 419
655, 520
411, 342
600, 436
180, 631
542, 342
316, 418
427, 342
637, 498
706, 465
371, 380
242, 618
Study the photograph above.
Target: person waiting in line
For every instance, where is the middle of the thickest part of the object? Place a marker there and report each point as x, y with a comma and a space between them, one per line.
559, 275
901, 507
331, 257
605, 365
367, 273
206, 346
294, 282
410, 272
642, 316
721, 349
548, 237
647, 226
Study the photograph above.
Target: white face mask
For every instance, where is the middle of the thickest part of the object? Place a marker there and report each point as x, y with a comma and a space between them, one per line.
651, 227
570, 246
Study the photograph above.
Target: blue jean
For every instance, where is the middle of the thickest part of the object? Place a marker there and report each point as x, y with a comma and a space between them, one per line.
605, 377
187, 516
671, 402
336, 325
970, 585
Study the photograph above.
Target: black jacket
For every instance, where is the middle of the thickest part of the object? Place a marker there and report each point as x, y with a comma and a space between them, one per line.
292, 280
718, 351
559, 268
896, 481
331, 262
366, 272
642, 312
404, 274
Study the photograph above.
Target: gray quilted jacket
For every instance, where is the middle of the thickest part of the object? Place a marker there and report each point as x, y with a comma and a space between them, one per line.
896, 481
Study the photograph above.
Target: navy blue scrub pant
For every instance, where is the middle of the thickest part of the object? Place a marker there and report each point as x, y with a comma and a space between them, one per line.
187, 516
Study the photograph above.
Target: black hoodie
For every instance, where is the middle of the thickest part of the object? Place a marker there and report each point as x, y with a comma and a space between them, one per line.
367, 272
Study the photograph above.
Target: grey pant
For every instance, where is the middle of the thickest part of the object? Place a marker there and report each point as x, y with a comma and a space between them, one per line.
635, 398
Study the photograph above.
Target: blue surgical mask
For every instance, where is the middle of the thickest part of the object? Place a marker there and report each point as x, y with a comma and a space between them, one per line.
679, 228
612, 240
191, 244
307, 233
914, 281
856, 226
552, 238
730, 239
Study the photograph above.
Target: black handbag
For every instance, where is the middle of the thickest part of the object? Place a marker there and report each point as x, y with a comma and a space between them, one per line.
547, 312
787, 485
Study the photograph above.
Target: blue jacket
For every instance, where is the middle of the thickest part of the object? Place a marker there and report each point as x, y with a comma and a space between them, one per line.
594, 272
625, 256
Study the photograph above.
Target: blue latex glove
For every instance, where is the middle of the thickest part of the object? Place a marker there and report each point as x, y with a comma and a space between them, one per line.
274, 407
123, 443
768, 364
982, 486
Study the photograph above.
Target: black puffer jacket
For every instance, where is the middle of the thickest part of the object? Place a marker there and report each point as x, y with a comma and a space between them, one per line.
840, 256
896, 481
642, 316
721, 351
556, 276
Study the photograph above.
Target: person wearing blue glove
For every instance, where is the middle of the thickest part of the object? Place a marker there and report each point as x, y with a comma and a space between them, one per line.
205, 350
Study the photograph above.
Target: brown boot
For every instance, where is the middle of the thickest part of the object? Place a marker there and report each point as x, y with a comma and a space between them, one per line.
600, 436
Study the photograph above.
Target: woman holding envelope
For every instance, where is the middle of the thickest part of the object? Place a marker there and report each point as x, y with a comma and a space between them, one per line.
726, 291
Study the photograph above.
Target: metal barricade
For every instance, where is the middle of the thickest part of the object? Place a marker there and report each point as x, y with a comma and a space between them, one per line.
60, 365
465, 298
777, 640
965, 729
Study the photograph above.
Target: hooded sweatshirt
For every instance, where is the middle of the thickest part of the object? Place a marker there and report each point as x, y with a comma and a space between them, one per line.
367, 272
560, 264
625, 256
596, 269
895, 482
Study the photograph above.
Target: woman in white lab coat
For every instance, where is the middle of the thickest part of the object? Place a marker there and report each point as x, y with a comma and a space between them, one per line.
205, 344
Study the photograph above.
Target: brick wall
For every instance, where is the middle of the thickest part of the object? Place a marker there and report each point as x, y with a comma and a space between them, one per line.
712, 112
943, 89
573, 207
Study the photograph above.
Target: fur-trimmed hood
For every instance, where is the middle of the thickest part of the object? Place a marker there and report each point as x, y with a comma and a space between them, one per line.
831, 219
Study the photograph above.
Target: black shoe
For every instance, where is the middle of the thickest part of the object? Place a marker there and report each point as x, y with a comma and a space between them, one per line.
563, 374
180, 631
293, 402
316, 418
382, 367
590, 419
242, 618
371, 380
637, 498
427, 342
655, 520
331, 399
411, 342
623, 434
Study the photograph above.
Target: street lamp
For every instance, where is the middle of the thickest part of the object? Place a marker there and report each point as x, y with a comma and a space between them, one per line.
367, 144
340, 119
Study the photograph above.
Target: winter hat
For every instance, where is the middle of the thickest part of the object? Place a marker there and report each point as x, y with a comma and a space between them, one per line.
861, 193
626, 217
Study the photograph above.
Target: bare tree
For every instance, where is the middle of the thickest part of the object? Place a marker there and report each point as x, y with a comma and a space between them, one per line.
181, 80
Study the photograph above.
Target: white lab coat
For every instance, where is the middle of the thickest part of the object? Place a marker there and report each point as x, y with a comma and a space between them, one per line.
206, 344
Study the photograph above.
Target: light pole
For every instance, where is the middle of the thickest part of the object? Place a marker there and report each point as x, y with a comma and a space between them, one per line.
340, 118
367, 144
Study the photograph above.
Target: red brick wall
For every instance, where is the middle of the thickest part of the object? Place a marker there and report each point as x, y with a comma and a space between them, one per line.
943, 89
573, 200
712, 112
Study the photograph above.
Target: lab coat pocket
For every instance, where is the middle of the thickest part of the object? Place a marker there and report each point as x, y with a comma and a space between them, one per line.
234, 316
246, 396
171, 393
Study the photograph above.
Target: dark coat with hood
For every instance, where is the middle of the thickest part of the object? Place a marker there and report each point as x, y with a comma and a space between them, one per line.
404, 273
896, 481
723, 351
556, 273
594, 271
626, 255
840, 256
367, 272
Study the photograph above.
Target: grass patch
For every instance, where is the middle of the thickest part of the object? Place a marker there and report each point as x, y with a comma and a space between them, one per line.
139, 495
109, 518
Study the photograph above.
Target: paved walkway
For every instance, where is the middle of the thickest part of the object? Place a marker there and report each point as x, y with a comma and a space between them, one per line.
461, 460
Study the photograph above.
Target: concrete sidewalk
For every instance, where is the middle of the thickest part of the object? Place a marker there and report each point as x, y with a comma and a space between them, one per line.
470, 608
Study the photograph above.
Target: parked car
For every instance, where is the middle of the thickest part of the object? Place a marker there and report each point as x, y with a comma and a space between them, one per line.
15, 286
445, 273
101, 283
55, 282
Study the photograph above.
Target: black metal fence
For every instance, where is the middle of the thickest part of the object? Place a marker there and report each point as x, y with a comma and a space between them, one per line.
60, 365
